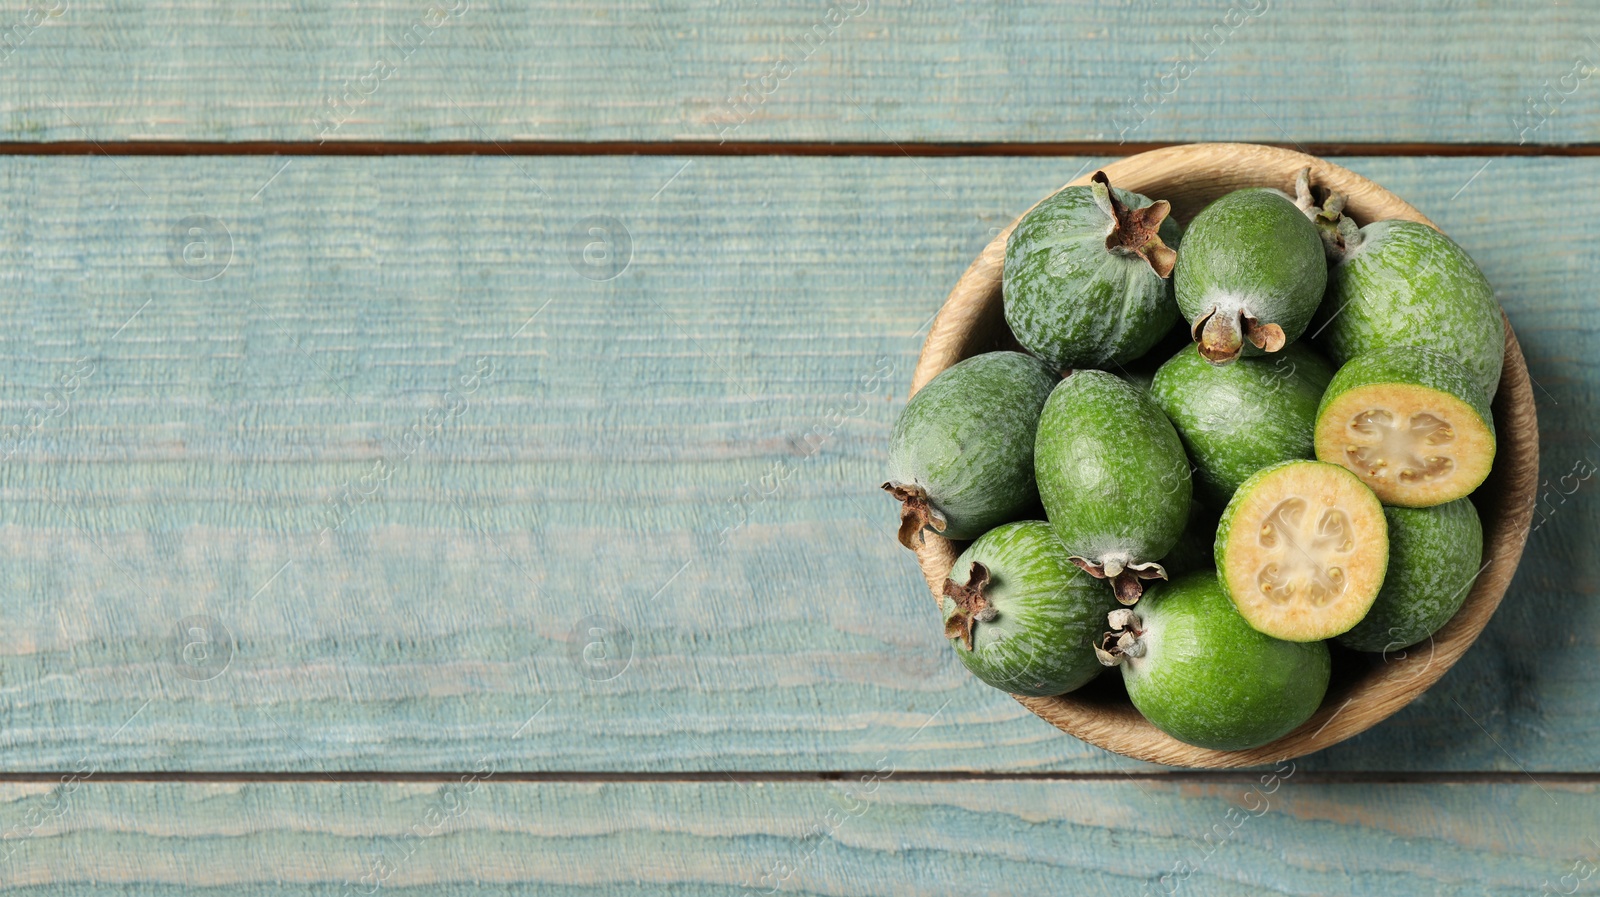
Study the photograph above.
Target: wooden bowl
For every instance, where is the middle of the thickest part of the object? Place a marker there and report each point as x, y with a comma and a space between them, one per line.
1366, 688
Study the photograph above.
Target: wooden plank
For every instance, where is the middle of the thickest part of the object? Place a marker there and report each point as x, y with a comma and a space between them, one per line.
855, 70
687, 451
874, 837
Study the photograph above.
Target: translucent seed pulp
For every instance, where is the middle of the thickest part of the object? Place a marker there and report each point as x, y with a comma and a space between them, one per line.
1410, 450
1306, 547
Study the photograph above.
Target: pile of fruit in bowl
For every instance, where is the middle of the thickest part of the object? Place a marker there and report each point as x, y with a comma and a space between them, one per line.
1223, 447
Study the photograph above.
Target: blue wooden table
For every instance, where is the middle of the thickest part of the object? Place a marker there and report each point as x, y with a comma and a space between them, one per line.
440, 445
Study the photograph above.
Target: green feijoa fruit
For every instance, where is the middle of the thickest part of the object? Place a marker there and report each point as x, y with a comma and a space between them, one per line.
961, 453
1413, 424
1201, 674
1434, 556
1250, 274
1021, 616
1195, 546
1237, 418
1085, 276
1400, 283
1301, 550
1113, 478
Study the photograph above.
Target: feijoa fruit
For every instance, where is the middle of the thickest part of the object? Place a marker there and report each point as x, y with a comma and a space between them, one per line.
1301, 550
1113, 479
1411, 423
1021, 616
1203, 675
961, 453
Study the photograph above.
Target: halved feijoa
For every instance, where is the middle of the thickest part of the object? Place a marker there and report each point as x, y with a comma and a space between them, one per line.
1250, 274
1411, 422
961, 454
1237, 418
1435, 554
1201, 674
1301, 550
1085, 281
1021, 616
1113, 479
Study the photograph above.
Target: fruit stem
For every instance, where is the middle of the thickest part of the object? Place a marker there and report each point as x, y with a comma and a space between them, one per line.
1339, 233
1221, 336
1123, 641
972, 606
916, 513
1127, 578
1137, 231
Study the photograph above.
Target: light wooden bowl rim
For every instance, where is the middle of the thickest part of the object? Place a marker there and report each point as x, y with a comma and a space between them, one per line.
1189, 176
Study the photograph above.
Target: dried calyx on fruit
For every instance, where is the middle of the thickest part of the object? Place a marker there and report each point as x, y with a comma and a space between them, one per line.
1138, 228
1085, 276
971, 605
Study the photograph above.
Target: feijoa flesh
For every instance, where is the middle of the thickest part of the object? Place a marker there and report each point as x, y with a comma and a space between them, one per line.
1021, 616
1435, 554
1113, 479
1413, 424
1237, 418
1301, 550
961, 453
1085, 276
1250, 274
1194, 668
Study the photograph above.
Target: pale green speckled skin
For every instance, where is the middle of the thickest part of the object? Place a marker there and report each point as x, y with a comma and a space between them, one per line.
1406, 284
1414, 365
967, 438
1050, 613
1434, 555
1235, 419
1111, 470
1209, 680
1252, 250
1072, 301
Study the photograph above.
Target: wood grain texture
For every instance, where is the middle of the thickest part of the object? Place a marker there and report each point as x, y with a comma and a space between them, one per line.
689, 449
1365, 690
868, 838
856, 70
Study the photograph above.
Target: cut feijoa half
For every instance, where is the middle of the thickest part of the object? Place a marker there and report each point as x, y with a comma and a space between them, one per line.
1250, 274
1237, 418
1021, 616
1113, 479
1435, 554
1400, 283
1086, 276
961, 453
1301, 550
1411, 422
1201, 674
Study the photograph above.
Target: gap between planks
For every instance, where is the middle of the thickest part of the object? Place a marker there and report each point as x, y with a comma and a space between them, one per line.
731, 148
736, 777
